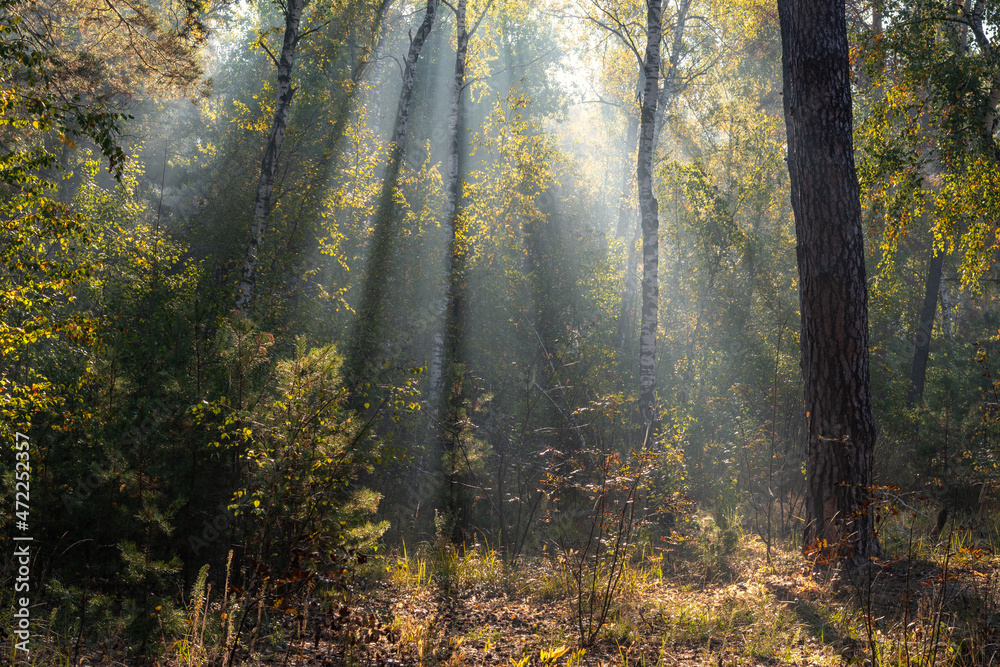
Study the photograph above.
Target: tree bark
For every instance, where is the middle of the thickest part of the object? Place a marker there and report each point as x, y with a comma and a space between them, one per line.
272, 151
450, 430
654, 104
832, 289
650, 217
922, 341
670, 86
369, 326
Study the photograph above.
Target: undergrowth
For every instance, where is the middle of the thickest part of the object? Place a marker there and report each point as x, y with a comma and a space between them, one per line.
704, 595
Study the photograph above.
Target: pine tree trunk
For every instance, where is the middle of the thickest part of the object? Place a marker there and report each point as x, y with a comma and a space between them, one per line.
650, 217
269, 163
832, 289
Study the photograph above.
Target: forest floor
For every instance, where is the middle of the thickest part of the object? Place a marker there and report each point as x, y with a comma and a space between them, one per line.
710, 600
711, 597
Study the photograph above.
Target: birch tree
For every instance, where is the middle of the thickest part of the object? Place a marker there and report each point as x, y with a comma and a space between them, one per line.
615, 21
272, 151
649, 209
455, 317
455, 297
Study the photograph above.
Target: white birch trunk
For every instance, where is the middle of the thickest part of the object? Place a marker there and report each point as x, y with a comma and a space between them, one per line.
409, 76
650, 217
670, 86
665, 99
269, 163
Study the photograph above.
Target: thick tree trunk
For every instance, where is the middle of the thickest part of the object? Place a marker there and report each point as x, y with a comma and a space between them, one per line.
922, 341
369, 327
650, 217
832, 289
269, 163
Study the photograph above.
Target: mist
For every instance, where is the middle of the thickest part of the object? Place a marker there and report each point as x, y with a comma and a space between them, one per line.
471, 332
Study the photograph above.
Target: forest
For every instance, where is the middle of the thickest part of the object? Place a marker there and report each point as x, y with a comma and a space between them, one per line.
497, 332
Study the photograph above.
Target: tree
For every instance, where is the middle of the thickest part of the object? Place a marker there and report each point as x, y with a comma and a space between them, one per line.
672, 84
925, 327
269, 163
456, 261
369, 326
832, 290
650, 218
40, 238
927, 147
616, 20
110, 50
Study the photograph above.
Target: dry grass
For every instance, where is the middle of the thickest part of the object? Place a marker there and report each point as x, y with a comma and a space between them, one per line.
693, 605
707, 599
